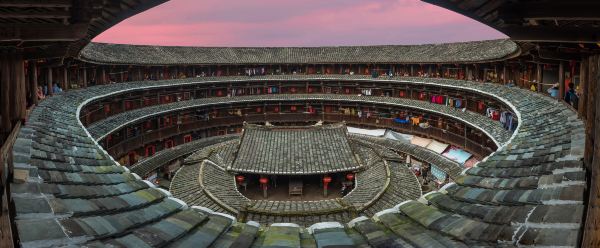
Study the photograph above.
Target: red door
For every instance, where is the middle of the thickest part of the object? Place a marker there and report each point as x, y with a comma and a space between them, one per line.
150, 150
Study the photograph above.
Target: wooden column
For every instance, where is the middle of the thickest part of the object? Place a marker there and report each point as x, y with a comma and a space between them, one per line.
5, 89
49, 79
85, 78
591, 111
18, 101
591, 235
65, 78
583, 86
467, 73
504, 74
103, 76
33, 83
21, 80
538, 77
561, 80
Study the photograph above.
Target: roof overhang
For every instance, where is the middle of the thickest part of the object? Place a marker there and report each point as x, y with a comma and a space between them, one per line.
544, 20
60, 28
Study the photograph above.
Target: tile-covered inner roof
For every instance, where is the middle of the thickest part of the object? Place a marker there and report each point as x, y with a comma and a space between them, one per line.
472, 51
294, 150
204, 181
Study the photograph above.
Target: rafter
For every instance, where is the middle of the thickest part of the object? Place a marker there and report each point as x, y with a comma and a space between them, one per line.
42, 32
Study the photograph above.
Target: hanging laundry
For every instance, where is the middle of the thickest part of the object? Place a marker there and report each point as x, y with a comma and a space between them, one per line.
480, 106
493, 114
457, 103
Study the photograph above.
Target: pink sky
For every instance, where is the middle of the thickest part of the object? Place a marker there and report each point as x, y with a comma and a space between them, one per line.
296, 23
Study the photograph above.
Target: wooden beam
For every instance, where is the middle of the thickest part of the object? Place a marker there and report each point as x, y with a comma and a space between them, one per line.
42, 32
36, 3
549, 10
28, 14
554, 34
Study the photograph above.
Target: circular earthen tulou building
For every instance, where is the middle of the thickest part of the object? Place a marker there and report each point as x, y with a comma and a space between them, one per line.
471, 144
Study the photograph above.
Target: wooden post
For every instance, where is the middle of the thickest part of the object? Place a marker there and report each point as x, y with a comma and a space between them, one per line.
561, 80
15, 88
22, 92
583, 86
467, 73
65, 78
538, 77
591, 111
504, 74
33, 83
18, 97
5, 89
49, 79
591, 229
103, 76
85, 78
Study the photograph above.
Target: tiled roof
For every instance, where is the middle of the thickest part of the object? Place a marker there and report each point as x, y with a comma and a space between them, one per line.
294, 150
379, 185
146, 166
528, 193
472, 51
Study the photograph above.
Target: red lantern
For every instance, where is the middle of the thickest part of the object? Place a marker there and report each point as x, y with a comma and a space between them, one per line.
239, 179
263, 180
350, 176
263, 183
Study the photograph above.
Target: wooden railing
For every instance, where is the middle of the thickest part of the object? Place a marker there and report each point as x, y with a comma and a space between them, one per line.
6, 226
120, 148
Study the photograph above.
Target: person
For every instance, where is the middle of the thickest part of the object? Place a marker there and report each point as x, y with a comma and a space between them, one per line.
571, 96
532, 87
425, 173
40, 93
511, 83
56, 88
553, 91
45, 90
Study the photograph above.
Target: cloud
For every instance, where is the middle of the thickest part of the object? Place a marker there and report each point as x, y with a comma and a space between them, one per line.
296, 23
